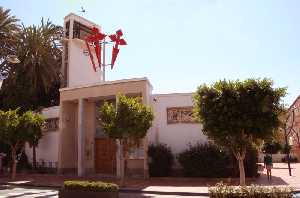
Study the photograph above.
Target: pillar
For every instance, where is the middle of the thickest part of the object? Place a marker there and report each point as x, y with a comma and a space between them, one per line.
80, 138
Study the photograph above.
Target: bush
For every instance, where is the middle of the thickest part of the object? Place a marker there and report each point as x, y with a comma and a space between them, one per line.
204, 160
292, 159
91, 186
224, 191
207, 160
161, 160
272, 147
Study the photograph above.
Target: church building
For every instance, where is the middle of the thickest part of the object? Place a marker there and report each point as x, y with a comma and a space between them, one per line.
74, 141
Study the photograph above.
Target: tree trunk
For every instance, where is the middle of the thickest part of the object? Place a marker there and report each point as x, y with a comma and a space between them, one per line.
242, 172
288, 154
34, 157
121, 164
240, 158
14, 162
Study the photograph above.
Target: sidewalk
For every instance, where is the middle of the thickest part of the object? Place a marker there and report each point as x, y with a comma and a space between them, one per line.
167, 185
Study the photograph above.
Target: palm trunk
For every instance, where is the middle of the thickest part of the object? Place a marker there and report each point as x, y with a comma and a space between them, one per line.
14, 162
34, 157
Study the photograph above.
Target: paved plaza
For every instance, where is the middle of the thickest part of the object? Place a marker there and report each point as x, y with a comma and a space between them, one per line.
153, 187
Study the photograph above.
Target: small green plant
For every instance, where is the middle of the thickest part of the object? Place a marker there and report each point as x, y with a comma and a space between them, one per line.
223, 191
161, 161
95, 186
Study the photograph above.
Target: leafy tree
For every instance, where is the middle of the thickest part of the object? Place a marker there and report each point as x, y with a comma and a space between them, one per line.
35, 81
16, 130
35, 122
128, 122
235, 114
8, 33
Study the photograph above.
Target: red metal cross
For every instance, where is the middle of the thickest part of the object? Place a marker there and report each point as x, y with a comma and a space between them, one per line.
116, 38
95, 39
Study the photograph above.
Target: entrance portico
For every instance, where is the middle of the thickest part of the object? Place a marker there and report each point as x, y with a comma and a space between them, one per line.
78, 123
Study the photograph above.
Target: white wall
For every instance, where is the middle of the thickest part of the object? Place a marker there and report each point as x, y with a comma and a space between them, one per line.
177, 136
47, 149
81, 71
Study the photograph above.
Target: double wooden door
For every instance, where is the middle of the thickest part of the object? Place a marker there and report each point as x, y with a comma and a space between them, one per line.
105, 155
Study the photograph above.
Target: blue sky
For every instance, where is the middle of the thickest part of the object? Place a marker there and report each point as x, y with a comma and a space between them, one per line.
180, 44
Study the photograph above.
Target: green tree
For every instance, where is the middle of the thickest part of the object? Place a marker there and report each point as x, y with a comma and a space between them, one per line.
8, 33
235, 114
16, 130
128, 122
35, 81
34, 131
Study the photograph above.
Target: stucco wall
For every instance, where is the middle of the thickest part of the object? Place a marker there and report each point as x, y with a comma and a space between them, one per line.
179, 135
47, 149
81, 71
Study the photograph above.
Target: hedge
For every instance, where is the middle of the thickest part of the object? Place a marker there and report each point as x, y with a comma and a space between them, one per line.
204, 160
208, 160
224, 191
95, 186
161, 160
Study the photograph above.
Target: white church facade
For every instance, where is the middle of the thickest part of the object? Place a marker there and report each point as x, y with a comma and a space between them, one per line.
73, 139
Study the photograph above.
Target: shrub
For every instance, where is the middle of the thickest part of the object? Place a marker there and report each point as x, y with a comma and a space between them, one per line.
207, 160
161, 160
204, 160
95, 186
272, 147
224, 191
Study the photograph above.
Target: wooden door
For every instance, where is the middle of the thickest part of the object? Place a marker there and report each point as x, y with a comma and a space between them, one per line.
105, 155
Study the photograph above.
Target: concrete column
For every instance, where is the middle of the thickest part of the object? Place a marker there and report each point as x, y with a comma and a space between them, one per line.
62, 122
80, 138
146, 100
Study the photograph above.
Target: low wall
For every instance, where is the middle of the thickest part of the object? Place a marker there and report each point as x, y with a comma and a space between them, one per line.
277, 158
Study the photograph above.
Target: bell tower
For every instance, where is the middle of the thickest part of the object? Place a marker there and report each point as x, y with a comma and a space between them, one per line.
76, 65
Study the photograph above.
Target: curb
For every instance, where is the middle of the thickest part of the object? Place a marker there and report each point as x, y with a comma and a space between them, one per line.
132, 190
122, 190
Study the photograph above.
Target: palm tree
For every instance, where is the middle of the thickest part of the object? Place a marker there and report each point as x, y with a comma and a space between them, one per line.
8, 33
40, 54
34, 82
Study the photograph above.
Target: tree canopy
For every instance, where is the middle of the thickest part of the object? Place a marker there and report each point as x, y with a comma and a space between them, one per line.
129, 120
35, 81
235, 114
8, 33
17, 129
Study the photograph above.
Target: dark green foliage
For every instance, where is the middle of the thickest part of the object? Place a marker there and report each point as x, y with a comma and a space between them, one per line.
236, 112
207, 160
272, 147
204, 160
224, 191
130, 120
35, 81
161, 160
8, 30
23, 163
91, 186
